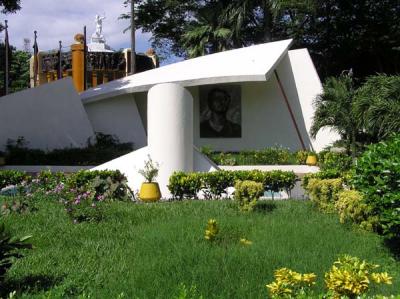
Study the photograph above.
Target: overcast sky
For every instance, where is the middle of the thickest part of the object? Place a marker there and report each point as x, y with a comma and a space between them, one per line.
61, 19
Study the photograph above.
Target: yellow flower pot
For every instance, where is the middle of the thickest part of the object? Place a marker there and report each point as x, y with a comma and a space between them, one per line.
311, 160
150, 192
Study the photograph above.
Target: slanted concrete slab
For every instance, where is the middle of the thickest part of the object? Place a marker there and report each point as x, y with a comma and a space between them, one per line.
48, 117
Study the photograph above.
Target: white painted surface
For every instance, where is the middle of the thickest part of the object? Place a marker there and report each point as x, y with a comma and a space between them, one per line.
265, 121
308, 86
48, 117
170, 130
118, 116
254, 63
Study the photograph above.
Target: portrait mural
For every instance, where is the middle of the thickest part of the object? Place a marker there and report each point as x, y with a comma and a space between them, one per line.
220, 111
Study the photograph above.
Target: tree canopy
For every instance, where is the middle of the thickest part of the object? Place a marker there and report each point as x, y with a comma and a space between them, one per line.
339, 34
9, 6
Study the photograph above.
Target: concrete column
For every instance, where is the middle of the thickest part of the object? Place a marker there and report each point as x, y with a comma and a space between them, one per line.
170, 130
77, 66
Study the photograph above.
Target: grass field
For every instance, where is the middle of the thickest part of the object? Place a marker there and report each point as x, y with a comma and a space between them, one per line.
148, 250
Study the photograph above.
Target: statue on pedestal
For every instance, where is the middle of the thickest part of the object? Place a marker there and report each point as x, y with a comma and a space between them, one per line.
97, 36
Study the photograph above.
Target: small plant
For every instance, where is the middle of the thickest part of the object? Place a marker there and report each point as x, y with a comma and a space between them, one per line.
351, 277
247, 193
245, 242
211, 230
9, 247
20, 205
150, 170
289, 284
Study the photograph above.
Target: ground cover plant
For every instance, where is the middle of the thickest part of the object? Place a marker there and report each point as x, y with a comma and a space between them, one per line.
160, 250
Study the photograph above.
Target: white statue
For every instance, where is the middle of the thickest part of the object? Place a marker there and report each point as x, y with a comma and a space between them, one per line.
99, 25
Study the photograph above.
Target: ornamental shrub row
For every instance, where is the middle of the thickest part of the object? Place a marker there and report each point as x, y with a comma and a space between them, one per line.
12, 177
214, 184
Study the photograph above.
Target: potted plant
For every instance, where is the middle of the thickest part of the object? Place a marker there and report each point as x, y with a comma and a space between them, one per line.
2, 159
311, 159
149, 191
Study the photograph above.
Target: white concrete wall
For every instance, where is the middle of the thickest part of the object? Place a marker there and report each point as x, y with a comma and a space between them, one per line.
118, 116
265, 120
48, 117
308, 85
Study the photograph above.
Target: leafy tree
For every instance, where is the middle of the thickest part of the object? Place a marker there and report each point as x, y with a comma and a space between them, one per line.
9, 6
19, 70
377, 106
334, 109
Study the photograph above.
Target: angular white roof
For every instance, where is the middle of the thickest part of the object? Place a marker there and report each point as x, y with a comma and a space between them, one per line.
254, 63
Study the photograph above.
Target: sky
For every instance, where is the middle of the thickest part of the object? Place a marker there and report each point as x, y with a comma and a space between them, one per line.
57, 20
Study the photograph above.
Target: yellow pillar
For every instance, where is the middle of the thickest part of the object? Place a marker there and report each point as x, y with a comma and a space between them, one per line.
77, 66
94, 79
105, 77
49, 77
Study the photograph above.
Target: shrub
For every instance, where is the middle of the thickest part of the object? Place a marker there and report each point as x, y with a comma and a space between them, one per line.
351, 207
215, 184
334, 161
377, 176
211, 230
103, 149
18, 205
247, 193
351, 277
325, 174
12, 177
9, 250
184, 185
290, 284
324, 193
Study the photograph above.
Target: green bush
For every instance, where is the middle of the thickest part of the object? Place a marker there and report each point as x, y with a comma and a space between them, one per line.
351, 207
267, 156
103, 149
333, 161
214, 184
324, 192
377, 176
322, 175
247, 193
12, 177
182, 185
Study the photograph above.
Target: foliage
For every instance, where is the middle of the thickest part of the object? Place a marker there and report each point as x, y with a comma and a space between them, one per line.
324, 192
104, 148
12, 177
351, 207
324, 174
187, 293
19, 205
267, 156
185, 185
211, 230
215, 184
377, 106
351, 277
289, 284
10, 250
83, 206
377, 176
150, 170
334, 110
334, 161
247, 193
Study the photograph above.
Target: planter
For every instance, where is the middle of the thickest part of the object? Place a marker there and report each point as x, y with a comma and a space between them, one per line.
2, 161
150, 192
311, 160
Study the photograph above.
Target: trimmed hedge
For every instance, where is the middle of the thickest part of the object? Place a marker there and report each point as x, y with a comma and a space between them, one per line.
12, 177
214, 184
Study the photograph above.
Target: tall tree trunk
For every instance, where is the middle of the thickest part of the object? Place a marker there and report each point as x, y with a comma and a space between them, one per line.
268, 21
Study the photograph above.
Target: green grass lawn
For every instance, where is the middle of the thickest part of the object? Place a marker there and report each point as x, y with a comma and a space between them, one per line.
148, 250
